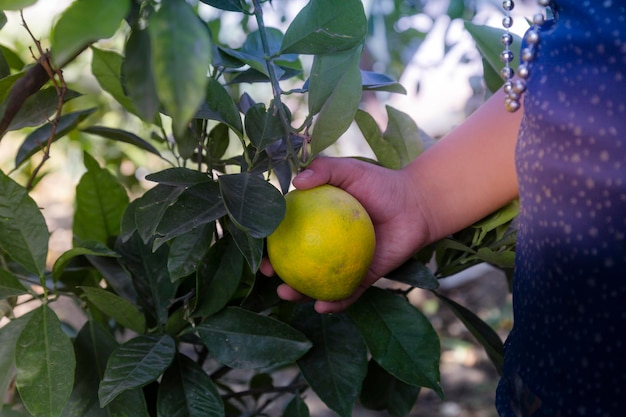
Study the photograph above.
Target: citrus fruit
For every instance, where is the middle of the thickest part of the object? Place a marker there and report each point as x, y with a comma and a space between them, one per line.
324, 245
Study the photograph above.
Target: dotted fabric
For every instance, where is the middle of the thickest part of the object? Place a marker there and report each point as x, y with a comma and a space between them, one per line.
566, 355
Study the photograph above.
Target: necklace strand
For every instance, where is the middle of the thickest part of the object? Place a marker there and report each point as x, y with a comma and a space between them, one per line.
514, 88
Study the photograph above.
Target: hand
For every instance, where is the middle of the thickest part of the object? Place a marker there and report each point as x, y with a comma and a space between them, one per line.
393, 205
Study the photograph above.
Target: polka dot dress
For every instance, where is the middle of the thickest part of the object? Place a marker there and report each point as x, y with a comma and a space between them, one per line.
566, 355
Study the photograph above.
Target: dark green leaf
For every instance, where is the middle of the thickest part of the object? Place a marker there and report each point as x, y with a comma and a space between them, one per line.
187, 391
138, 75
485, 335
337, 363
9, 333
220, 106
252, 52
403, 134
505, 259
253, 204
10, 285
151, 207
23, 231
179, 176
122, 136
12, 58
374, 81
181, 60
296, 407
39, 107
15, 4
263, 126
416, 274
400, 338
382, 391
326, 26
37, 140
341, 98
114, 306
106, 66
85, 248
230, 5
250, 247
218, 142
385, 152
186, 251
135, 364
45, 364
84, 22
196, 206
245, 340
218, 277
100, 204
93, 346
115, 275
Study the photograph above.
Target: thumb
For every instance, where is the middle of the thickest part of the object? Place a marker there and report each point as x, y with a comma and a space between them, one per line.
327, 170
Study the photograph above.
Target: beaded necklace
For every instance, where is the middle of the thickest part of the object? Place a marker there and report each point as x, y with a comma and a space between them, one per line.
514, 89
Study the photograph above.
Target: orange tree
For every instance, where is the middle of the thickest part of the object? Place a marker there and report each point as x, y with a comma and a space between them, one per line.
174, 304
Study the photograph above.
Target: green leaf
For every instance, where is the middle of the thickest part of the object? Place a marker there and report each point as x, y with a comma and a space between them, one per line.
100, 204
326, 26
23, 231
45, 364
253, 204
10, 285
385, 152
485, 335
138, 75
230, 5
93, 346
403, 134
181, 60
400, 338
336, 365
187, 250
263, 126
106, 66
12, 58
252, 52
250, 247
135, 364
9, 334
15, 4
374, 81
382, 391
416, 274
122, 136
218, 277
179, 176
241, 339
85, 248
151, 207
84, 22
39, 107
296, 407
342, 97
187, 391
114, 306
37, 140
220, 106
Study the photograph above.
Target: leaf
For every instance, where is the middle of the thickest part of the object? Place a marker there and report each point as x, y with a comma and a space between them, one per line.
403, 134
337, 112
137, 74
39, 107
93, 346
252, 203
374, 81
263, 126
187, 250
122, 136
218, 278
151, 207
23, 231
84, 22
9, 334
12, 58
416, 274
326, 26
244, 340
114, 306
106, 66
400, 338
187, 391
135, 364
230, 5
179, 176
45, 364
250, 247
383, 391
336, 365
485, 335
181, 61
100, 204
296, 407
385, 152
220, 106
15, 4
36, 140
86, 248
10, 285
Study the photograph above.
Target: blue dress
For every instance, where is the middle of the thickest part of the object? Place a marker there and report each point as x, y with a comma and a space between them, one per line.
566, 354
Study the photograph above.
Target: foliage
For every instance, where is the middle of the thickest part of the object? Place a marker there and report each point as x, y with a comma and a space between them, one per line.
174, 304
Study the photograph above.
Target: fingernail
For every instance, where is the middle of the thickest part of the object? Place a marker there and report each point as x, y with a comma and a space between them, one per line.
304, 175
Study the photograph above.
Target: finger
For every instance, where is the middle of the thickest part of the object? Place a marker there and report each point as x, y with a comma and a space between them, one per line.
339, 172
266, 267
287, 293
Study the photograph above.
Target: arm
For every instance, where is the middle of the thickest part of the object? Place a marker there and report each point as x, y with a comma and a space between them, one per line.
462, 178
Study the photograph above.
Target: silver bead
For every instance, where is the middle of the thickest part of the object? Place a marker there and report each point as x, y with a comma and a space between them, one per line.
506, 56
523, 71
506, 39
532, 37
519, 86
538, 19
508, 5
544, 3
528, 54
507, 22
511, 105
507, 73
